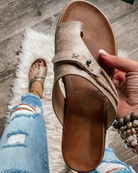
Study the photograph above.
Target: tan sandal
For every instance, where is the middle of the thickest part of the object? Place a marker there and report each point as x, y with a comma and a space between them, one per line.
91, 98
39, 76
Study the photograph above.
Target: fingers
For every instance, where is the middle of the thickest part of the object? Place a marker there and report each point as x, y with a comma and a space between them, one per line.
122, 64
119, 79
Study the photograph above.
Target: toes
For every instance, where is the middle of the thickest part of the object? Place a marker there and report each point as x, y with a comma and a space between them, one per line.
33, 67
36, 65
39, 62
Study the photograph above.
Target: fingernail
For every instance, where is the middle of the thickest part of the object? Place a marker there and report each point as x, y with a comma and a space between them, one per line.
103, 52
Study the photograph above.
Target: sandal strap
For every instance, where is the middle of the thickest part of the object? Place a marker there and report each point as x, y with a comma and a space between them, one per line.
59, 100
83, 61
40, 76
89, 65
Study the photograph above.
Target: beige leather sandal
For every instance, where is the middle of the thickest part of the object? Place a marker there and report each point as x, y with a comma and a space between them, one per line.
39, 75
91, 98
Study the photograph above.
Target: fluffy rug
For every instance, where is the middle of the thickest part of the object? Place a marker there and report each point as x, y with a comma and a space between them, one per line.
38, 45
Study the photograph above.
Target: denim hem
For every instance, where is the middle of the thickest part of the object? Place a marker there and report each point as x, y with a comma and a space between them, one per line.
123, 171
30, 94
15, 171
114, 159
110, 157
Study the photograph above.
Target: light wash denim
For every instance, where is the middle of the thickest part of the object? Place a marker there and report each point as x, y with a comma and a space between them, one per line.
110, 157
30, 156
29, 152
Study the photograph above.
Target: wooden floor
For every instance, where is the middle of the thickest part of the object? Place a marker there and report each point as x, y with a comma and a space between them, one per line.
42, 15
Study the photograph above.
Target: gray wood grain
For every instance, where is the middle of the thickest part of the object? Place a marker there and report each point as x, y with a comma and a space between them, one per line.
15, 17
125, 155
126, 32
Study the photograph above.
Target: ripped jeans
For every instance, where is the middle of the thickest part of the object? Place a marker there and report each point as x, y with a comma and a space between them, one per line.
23, 146
112, 163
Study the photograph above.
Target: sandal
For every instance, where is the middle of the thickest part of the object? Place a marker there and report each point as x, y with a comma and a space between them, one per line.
39, 75
91, 98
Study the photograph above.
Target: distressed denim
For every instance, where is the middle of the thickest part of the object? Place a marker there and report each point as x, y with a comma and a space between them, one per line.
110, 157
23, 146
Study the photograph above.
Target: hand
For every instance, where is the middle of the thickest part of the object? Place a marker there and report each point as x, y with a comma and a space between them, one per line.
125, 80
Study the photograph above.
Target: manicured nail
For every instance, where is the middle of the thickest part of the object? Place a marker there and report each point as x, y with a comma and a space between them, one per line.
103, 52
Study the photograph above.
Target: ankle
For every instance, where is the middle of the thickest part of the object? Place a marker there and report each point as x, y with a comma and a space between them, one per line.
37, 89
36, 93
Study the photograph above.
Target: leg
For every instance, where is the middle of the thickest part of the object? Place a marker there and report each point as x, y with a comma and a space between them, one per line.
23, 146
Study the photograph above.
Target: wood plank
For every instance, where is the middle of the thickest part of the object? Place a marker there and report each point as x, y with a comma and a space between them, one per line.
8, 55
133, 54
3, 122
9, 49
17, 15
47, 26
126, 32
115, 9
133, 162
125, 155
5, 86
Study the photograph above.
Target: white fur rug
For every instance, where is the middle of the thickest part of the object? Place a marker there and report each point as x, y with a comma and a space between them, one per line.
38, 45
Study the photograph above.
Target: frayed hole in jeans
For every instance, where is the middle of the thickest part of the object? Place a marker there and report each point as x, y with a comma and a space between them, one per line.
16, 139
23, 109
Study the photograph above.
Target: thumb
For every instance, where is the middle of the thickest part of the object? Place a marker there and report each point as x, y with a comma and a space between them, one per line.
122, 64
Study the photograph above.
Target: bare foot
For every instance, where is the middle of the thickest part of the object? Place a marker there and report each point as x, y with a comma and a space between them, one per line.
36, 87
